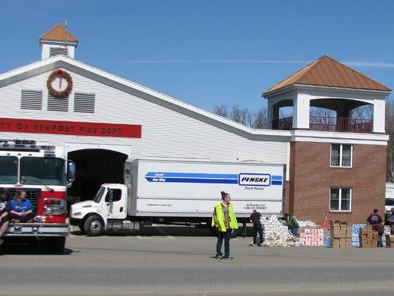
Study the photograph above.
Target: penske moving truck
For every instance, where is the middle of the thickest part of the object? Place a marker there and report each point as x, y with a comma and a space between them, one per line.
175, 191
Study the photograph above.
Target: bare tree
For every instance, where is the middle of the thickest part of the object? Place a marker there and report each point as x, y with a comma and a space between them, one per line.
243, 115
322, 112
221, 110
260, 119
362, 112
390, 144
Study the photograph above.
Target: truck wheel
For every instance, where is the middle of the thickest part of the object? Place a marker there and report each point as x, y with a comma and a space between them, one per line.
56, 244
93, 226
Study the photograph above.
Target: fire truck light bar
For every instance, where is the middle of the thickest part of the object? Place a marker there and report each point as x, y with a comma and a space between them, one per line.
24, 145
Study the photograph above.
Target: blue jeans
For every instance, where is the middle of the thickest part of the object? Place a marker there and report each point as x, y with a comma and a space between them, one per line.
295, 231
226, 236
380, 241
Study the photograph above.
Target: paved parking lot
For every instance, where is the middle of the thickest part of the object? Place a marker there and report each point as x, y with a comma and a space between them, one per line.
178, 261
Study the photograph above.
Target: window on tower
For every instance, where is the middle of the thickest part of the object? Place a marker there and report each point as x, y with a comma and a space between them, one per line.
341, 155
340, 199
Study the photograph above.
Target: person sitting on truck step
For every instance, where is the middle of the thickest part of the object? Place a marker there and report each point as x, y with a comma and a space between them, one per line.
21, 208
4, 213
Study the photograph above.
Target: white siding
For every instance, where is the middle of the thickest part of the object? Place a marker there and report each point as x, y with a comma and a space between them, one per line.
165, 133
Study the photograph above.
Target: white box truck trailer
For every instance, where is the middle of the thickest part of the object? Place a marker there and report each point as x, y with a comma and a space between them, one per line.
389, 201
173, 191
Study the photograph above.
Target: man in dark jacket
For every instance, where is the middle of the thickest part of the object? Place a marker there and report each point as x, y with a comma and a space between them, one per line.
257, 228
375, 218
376, 221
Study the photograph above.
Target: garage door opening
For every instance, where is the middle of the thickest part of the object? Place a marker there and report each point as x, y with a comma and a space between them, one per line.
94, 167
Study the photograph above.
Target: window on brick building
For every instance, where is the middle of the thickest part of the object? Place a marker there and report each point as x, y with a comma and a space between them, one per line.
341, 155
340, 199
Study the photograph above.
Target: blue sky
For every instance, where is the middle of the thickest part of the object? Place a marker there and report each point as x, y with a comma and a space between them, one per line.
207, 52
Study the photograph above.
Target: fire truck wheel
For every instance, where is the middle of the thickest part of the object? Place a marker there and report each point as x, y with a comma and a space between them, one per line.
56, 244
93, 225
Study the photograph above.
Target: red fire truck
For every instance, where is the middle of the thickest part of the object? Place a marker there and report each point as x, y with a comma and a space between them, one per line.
43, 172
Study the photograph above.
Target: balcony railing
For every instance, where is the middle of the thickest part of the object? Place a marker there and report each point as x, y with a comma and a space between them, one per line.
332, 124
283, 123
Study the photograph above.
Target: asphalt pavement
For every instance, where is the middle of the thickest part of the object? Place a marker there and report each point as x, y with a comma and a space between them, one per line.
179, 261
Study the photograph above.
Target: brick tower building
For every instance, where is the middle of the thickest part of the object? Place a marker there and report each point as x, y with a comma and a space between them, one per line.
337, 159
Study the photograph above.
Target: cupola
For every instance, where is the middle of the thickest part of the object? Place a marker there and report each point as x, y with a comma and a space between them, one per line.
331, 86
58, 41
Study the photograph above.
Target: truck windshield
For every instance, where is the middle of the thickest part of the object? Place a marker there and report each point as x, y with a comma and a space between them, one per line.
42, 171
8, 169
99, 194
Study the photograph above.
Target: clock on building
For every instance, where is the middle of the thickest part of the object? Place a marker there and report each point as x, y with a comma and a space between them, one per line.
59, 84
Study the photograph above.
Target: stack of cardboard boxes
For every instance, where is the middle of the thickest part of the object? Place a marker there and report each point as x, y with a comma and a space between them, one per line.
368, 237
312, 236
341, 235
389, 241
356, 234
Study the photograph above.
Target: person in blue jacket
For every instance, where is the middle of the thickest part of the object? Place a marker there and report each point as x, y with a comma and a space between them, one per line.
391, 220
21, 209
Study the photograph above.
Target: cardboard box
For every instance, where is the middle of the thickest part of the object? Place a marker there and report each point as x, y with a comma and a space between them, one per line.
389, 240
335, 243
349, 231
343, 229
335, 229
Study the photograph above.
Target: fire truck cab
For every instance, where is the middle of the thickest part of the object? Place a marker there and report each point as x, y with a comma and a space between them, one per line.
43, 172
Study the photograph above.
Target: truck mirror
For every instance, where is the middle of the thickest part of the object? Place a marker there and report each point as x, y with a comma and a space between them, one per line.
110, 195
71, 171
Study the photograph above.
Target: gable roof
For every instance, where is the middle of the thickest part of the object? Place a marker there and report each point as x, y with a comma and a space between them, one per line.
141, 91
328, 72
58, 33
166, 101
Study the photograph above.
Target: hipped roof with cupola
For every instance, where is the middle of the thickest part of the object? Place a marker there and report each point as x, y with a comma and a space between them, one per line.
58, 33
328, 72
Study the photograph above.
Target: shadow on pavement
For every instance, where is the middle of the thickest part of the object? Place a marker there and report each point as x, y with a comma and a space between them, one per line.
168, 230
26, 249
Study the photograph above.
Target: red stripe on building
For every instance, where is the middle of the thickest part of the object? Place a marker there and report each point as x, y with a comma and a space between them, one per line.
70, 128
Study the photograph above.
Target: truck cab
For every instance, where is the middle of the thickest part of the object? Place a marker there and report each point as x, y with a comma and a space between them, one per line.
43, 172
107, 210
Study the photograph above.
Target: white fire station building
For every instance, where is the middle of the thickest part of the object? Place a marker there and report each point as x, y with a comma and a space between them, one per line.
335, 166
